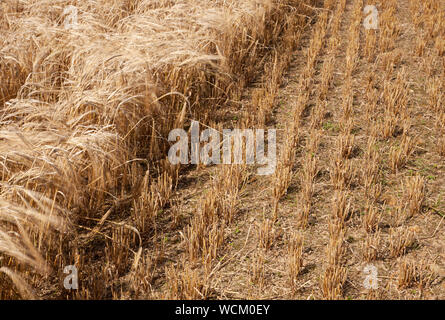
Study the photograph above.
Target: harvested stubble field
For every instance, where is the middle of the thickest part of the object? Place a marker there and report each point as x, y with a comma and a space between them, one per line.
85, 114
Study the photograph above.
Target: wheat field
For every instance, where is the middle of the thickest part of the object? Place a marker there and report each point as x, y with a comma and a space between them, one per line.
90, 90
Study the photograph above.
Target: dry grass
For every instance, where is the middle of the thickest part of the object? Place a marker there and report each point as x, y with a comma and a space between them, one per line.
85, 114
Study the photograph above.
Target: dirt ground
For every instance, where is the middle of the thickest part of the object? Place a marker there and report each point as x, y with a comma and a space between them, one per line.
248, 270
